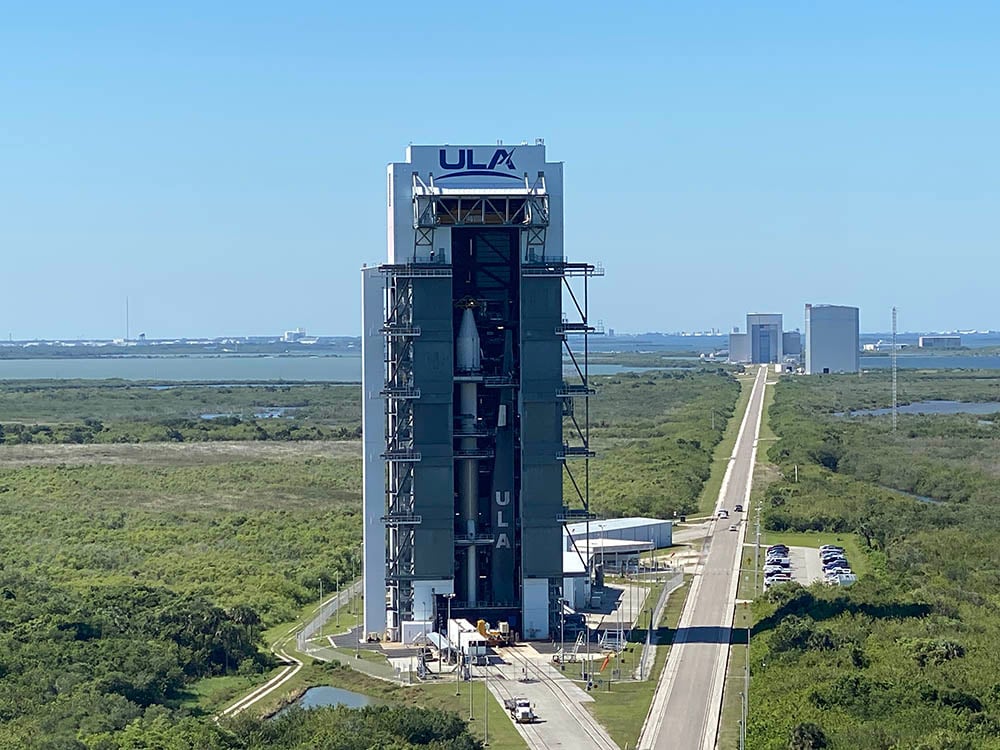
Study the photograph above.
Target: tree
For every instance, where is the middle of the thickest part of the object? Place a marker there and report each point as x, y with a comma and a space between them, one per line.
807, 736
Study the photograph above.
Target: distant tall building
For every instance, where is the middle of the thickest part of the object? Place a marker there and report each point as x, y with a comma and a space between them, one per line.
791, 343
832, 339
739, 348
764, 331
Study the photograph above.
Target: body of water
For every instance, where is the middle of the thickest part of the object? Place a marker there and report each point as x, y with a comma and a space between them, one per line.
221, 368
933, 407
939, 362
325, 695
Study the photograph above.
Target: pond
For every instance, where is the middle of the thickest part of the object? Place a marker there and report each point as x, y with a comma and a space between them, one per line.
324, 695
932, 407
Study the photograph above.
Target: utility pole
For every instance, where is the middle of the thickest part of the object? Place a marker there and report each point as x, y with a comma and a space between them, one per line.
746, 682
486, 714
471, 691
447, 627
756, 553
357, 616
562, 635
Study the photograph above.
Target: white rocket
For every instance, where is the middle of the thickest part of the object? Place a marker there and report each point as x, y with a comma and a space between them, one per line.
467, 360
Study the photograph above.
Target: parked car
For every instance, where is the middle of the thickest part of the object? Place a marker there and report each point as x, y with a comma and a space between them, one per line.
739, 508
734, 527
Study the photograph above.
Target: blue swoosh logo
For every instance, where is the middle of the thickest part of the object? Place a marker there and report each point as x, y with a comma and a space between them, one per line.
479, 173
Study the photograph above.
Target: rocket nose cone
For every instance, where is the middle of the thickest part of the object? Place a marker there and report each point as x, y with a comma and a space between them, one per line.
467, 345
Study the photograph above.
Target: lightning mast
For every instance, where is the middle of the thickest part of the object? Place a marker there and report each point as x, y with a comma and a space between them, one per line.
895, 406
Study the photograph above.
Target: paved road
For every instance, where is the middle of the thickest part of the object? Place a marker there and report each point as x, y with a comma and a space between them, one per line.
686, 706
565, 721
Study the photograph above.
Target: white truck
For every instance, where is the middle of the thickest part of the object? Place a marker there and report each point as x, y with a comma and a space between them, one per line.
520, 710
468, 640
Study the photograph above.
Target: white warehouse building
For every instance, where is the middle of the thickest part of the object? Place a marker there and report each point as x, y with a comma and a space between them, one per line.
832, 339
613, 542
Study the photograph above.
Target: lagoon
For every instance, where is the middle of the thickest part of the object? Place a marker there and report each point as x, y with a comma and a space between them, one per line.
933, 407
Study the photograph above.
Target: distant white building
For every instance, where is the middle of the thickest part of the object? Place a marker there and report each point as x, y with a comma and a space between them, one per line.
295, 336
832, 339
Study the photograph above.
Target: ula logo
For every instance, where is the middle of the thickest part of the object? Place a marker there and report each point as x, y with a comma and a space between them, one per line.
466, 163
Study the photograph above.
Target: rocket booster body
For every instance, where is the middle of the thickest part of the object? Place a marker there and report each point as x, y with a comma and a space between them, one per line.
467, 360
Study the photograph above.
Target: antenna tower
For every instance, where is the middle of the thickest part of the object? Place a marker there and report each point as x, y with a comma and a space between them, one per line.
895, 407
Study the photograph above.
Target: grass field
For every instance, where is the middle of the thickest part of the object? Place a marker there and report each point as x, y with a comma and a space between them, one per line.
231, 525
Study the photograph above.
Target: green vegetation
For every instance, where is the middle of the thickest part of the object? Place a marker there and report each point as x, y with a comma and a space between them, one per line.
654, 438
908, 656
261, 534
41, 411
124, 584
335, 728
138, 578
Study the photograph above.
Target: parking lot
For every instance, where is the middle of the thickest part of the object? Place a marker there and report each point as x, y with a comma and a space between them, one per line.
805, 564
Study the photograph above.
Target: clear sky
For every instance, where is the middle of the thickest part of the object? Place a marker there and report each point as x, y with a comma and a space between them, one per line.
222, 164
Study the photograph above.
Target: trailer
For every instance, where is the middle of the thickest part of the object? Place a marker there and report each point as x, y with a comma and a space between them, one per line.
520, 710
468, 640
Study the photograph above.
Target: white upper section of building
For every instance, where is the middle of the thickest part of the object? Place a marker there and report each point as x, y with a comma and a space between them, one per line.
468, 172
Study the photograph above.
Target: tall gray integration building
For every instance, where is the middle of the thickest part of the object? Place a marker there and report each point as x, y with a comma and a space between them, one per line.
464, 393
832, 339
763, 342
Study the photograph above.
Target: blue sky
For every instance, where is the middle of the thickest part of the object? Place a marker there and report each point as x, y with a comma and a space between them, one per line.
222, 164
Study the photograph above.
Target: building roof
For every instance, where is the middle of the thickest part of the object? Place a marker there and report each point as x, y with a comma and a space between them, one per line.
613, 524
573, 566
